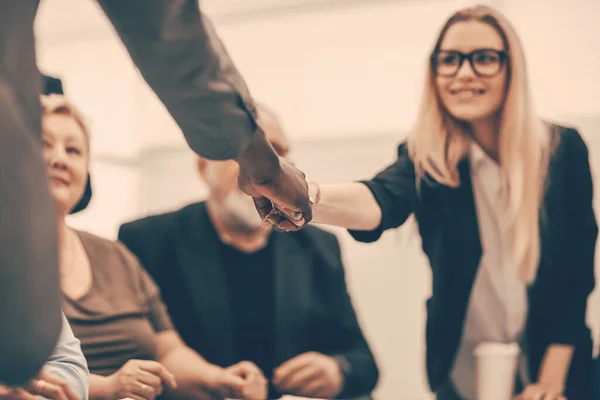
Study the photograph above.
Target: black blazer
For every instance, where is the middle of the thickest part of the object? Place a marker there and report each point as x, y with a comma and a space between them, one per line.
450, 238
313, 309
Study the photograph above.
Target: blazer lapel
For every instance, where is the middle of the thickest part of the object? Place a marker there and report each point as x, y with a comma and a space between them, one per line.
465, 227
293, 288
202, 269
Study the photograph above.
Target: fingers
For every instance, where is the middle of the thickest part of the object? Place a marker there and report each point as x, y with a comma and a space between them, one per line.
301, 197
65, 387
233, 382
263, 206
151, 380
158, 369
48, 390
289, 190
144, 391
135, 397
22, 394
294, 217
255, 388
314, 388
299, 380
251, 382
4, 391
306, 208
553, 396
535, 392
245, 369
290, 367
282, 222
19, 394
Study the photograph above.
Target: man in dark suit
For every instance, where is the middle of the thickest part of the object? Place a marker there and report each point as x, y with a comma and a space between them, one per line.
238, 292
181, 58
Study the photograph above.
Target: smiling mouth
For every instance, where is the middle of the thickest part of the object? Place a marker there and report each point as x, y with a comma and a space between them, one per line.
59, 180
467, 93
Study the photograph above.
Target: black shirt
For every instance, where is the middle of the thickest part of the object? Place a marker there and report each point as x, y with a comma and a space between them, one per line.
250, 285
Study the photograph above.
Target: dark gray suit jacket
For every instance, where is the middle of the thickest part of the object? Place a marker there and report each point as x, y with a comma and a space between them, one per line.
179, 55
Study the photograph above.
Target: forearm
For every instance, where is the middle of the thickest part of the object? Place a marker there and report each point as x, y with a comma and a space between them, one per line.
194, 375
555, 365
348, 205
100, 388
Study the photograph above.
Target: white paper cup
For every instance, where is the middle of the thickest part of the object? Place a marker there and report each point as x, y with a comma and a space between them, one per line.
496, 370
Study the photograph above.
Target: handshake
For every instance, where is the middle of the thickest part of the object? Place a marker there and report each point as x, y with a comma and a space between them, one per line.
284, 199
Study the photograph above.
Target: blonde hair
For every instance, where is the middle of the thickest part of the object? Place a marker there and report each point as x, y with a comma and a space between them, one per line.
438, 143
56, 104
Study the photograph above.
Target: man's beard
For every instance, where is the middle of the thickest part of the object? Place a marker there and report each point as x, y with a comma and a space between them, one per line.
239, 214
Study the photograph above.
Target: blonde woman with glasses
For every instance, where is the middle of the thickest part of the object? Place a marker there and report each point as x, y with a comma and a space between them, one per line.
503, 203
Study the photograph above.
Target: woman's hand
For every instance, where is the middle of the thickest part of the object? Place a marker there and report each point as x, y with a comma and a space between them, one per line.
539, 391
140, 380
46, 385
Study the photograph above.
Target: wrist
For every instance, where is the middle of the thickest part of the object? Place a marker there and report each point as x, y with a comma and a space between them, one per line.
345, 369
554, 384
314, 192
109, 387
259, 161
214, 378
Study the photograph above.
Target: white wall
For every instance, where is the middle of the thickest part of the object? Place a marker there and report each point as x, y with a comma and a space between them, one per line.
346, 82
341, 71
78, 45
560, 39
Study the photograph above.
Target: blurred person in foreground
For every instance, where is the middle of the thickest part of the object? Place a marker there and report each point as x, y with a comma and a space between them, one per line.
64, 376
113, 306
239, 292
180, 56
503, 203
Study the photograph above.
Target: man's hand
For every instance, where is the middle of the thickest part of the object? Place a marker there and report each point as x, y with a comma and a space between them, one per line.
280, 218
255, 383
274, 181
287, 191
310, 375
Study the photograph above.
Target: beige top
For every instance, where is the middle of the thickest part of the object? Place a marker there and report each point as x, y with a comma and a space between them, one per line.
117, 319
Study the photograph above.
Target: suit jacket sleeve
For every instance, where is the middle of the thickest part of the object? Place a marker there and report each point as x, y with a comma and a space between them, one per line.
68, 362
179, 54
395, 190
352, 350
29, 280
583, 231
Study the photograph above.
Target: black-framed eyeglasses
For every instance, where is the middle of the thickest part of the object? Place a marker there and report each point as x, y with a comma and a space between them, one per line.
484, 62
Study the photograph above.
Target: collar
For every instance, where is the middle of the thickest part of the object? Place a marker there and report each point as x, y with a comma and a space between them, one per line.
478, 157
